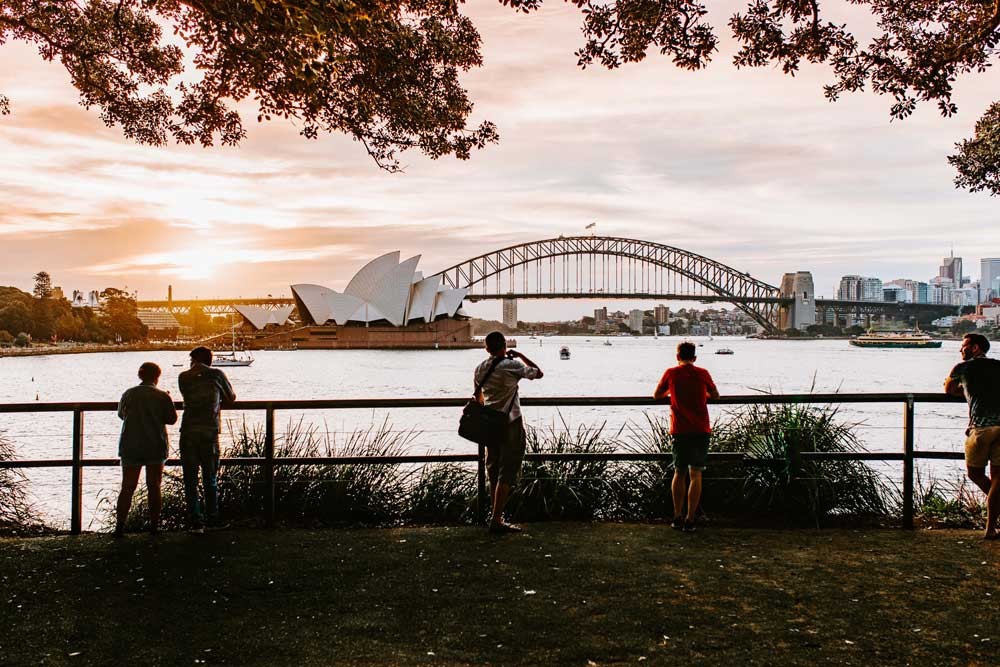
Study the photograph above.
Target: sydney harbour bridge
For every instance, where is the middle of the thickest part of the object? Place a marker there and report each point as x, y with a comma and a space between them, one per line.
603, 267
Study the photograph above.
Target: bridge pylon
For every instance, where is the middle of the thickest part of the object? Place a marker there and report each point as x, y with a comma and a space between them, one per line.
798, 311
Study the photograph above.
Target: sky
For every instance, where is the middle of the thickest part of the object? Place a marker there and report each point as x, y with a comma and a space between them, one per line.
752, 168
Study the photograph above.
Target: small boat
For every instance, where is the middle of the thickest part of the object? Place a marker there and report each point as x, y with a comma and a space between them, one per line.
564, 352
724, 350
896, 339
607, 341
232, 358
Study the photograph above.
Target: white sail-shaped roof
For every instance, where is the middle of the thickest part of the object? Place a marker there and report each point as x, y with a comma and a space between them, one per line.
449, 301
369, 281
261, 317
313, 299
422, 299
394, 293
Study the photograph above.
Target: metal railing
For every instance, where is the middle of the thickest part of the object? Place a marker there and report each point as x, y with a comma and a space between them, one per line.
269, 461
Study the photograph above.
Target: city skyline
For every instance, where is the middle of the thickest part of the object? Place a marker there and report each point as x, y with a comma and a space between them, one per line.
693, 160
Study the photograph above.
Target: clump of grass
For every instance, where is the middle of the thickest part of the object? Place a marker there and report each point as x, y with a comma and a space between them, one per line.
954, 504
441, 493
580, 490
776, 478
371, 494
17, 512
644, 486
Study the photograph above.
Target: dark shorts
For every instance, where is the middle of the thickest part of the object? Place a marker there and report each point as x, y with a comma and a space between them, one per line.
132, 462
504, 456
690, 451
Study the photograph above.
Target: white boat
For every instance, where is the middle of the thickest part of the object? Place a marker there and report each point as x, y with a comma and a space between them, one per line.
607, 341
564, 352
724, 350
232, 358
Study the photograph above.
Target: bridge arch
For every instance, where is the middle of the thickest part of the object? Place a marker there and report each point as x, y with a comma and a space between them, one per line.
758, 299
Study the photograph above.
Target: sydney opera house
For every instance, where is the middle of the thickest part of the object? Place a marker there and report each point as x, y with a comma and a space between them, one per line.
387, 304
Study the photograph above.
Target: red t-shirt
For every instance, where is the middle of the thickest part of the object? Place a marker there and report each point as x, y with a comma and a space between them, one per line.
688, 387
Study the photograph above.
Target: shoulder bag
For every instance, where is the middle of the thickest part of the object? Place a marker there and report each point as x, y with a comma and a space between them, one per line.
478, 422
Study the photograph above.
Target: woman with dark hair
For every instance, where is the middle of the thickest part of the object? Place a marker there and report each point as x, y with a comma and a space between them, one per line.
145, 412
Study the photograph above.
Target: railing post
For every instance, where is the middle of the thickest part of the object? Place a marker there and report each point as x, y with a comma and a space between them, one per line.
269, 466
908, 421
481, 496
76, 475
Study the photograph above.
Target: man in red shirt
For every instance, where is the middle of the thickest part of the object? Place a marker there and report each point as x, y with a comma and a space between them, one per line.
688, 388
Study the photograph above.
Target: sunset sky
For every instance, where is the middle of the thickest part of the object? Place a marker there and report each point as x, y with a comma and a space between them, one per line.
752, 168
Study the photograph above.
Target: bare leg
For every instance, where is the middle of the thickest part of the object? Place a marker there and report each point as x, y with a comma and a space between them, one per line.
678, 489
694, 493
978, 476
154, 477
993, 502
130, 480
501, 490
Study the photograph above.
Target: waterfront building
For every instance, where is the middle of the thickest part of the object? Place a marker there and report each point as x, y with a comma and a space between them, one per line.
989, 279
635, 320
510, 313
600, 315
387, 304
661, 314
859, 288
159, 325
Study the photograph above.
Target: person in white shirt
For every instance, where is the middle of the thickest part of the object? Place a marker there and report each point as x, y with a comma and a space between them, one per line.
505, 452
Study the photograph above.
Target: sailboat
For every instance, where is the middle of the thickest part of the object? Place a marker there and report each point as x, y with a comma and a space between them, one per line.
231, 358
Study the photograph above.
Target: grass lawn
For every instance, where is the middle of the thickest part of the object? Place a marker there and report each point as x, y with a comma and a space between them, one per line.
560, 593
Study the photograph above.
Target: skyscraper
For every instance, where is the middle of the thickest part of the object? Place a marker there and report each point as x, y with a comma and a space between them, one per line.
859, 288
951, 267
661, 314
989, 281
510, 313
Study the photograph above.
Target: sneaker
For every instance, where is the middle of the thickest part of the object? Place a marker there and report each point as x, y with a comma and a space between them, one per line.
677, 523
197, 530
689, 526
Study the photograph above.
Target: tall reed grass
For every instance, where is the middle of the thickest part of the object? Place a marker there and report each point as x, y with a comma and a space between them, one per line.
773, 480
17, 512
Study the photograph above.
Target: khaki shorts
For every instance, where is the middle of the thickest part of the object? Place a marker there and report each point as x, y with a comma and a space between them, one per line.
504, 456
982, 446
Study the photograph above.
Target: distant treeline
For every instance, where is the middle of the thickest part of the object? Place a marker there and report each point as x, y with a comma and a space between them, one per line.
42, 317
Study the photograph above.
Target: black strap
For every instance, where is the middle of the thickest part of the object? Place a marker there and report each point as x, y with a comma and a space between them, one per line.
479, 387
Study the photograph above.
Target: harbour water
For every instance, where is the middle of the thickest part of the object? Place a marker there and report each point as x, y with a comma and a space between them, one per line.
630, 366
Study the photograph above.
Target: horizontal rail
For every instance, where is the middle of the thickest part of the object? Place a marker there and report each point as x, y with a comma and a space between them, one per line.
452, 402
733, 457
270, 461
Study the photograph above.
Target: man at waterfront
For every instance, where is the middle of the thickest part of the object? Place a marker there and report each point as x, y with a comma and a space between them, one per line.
499, 376
977, 378
145, 412
205, 390
688, 387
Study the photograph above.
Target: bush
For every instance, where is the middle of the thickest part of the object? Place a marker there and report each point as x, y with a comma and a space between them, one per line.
956, 504
565, 490
22, 340
5, 338
17, 513
775, 478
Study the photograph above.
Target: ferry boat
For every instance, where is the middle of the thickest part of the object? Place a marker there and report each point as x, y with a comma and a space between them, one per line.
724, 350
895, 339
